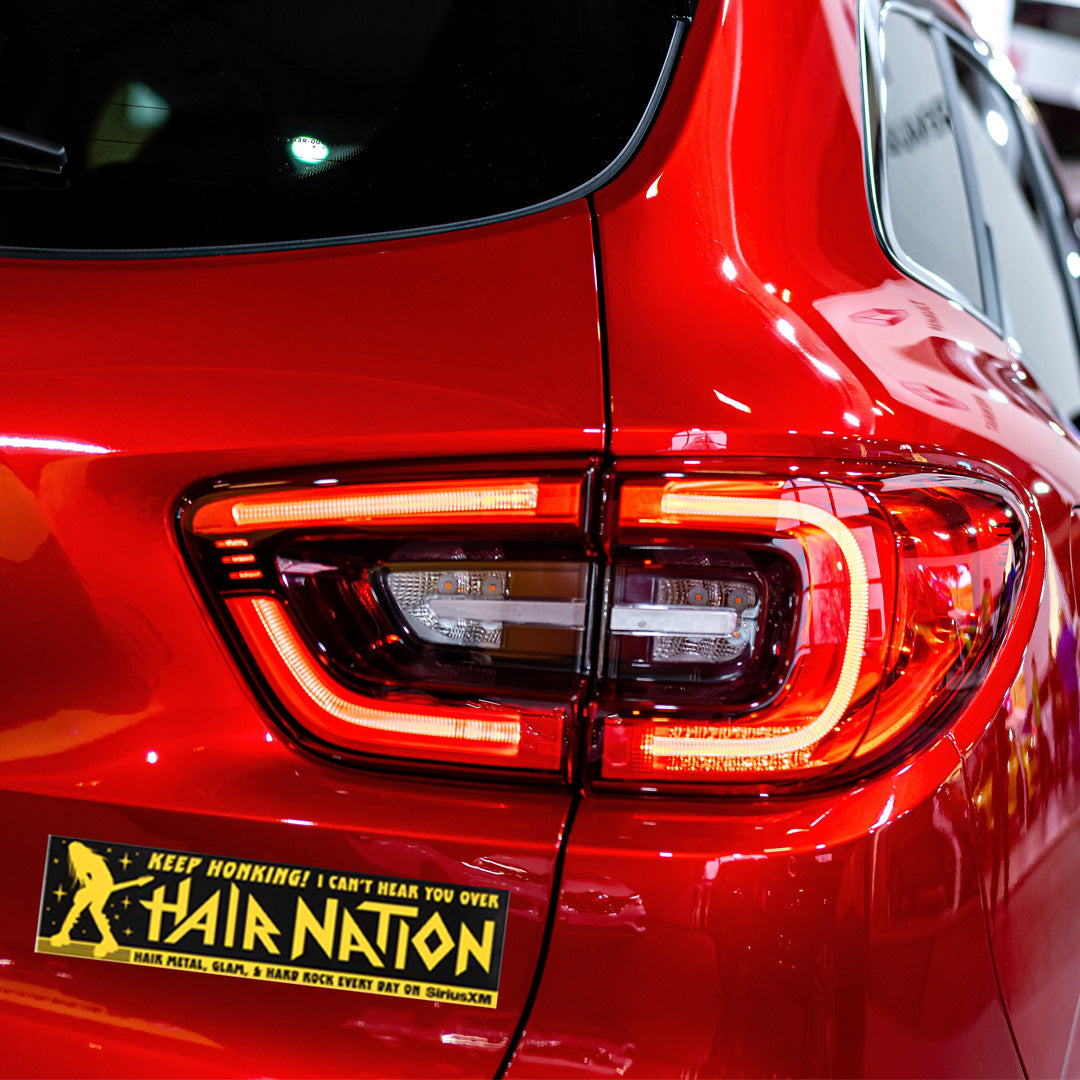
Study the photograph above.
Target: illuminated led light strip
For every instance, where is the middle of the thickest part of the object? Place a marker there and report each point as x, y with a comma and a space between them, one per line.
310, 509
730, 508
499, 736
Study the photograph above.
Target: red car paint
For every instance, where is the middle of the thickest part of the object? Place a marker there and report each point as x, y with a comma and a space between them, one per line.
150, 736
842, 935
914, 922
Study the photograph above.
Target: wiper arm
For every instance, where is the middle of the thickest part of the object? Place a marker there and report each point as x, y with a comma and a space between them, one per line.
18, 150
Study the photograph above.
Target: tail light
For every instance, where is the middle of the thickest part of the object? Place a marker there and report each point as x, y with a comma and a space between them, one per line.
440, 622
844, 617
749, 628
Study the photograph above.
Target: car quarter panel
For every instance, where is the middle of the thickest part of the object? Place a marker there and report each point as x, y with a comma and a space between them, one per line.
124, 720
839, 935
752, 312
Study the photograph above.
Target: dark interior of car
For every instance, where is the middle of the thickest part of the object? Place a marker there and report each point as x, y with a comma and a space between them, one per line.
199, 123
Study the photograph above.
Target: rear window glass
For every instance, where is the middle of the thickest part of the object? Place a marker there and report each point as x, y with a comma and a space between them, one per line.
257, 121
925, 201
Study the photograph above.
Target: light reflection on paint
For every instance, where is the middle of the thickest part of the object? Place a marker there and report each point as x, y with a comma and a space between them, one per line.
735, 404
20, 442
826, 369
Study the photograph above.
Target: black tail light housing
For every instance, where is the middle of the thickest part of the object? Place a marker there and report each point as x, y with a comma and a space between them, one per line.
696, 628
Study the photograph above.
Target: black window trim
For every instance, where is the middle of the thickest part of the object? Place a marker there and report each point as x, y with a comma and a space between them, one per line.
605, 176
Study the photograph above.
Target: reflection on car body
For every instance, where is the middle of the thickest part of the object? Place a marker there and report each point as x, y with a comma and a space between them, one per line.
537, 541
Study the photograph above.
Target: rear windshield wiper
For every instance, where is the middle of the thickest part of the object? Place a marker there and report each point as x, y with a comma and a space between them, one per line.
29, 153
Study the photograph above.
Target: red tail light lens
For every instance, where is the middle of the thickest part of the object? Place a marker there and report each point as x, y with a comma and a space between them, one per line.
963, 556
454, 502
438, 622
752, 629
468, 735
871, 607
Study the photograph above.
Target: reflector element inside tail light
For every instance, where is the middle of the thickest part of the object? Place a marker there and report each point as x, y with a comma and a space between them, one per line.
876, 604
439, 622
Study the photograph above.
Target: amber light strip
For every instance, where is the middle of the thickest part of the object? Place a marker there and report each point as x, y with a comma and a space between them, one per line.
684, 505
498, 735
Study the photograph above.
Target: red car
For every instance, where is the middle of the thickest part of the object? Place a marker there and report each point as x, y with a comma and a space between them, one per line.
536, 540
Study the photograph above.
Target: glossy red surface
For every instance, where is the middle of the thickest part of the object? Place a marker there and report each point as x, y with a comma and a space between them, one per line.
123, 717
919, 920
745, 294
841, 935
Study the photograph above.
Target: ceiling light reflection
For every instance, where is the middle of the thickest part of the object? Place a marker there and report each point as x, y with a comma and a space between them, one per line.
999, 130
308, 150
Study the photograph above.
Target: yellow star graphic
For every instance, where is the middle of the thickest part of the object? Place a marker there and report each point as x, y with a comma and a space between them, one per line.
125, 862
59, 892
126, 902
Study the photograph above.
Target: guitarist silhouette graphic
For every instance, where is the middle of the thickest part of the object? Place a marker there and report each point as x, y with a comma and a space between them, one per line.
91, 873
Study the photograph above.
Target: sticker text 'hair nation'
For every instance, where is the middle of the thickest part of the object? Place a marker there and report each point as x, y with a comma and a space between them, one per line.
273, 921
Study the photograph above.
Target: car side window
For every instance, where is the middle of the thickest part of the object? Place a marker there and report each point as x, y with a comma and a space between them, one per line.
1035, 309
924, 203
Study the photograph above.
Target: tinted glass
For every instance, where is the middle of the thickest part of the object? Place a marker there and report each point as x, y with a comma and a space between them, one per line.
924, 201
1035, 305
1058, 18
243, 121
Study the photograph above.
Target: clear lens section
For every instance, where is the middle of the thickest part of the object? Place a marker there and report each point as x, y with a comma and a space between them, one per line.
491, 607
687, 620
441, 615
444, 606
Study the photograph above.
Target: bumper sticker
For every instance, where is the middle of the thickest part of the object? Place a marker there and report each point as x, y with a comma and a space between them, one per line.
275, 922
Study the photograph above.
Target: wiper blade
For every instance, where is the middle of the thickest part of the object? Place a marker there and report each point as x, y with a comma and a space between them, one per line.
30, 153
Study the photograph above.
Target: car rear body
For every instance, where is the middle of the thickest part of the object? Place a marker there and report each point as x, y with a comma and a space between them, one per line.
722, 307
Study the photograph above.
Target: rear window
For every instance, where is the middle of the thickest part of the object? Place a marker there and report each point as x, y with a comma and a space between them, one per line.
189, 124
925, 201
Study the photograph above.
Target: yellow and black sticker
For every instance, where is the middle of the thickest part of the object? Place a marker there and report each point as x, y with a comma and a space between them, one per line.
273, 921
